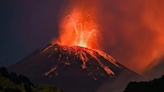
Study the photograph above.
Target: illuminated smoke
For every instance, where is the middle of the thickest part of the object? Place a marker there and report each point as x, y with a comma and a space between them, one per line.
132, 31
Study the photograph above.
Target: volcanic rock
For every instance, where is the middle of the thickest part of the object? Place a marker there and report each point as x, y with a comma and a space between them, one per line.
74, 68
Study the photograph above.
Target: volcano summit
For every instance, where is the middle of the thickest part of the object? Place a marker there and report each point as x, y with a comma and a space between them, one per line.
74, 68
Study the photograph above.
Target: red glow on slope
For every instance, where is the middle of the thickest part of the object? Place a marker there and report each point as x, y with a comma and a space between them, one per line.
86, 55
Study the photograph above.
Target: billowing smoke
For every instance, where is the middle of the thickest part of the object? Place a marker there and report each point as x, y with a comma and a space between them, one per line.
133, 32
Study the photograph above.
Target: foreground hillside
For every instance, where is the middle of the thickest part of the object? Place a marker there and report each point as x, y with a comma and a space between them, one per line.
156, 85
13, 83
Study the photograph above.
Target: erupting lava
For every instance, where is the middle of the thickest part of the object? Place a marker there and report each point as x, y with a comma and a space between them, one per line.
79, 29
78, 40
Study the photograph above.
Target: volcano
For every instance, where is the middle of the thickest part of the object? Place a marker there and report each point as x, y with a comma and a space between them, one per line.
74, 68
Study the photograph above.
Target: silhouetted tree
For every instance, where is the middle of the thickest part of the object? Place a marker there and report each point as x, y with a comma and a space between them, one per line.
12, 83
155, 85
12, 90
13, 77
25, 80
4, 72
0, 87
27, 88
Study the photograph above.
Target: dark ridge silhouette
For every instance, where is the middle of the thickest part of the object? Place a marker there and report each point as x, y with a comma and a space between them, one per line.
13, 83
156, 85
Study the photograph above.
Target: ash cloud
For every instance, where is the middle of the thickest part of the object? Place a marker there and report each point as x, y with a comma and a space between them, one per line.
133, 32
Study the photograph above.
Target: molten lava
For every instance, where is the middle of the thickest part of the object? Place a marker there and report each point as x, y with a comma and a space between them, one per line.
95, 62
79, 29
79, 38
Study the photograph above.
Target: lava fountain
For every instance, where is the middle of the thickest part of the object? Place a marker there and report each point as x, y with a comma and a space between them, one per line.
79, 29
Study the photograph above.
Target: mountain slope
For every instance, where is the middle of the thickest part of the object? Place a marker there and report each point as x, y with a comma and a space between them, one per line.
72, 68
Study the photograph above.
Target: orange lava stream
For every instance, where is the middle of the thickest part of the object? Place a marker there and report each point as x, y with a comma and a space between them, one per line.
83, 54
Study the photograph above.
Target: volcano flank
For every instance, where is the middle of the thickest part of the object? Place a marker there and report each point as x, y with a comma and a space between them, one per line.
74, 68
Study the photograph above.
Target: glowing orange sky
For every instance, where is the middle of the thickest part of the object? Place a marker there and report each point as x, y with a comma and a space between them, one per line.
132, 31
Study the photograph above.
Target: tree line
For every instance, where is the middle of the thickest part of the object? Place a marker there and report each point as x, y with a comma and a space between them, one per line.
10, 82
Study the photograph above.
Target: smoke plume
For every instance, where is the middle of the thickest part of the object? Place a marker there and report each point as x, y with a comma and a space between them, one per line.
133, 32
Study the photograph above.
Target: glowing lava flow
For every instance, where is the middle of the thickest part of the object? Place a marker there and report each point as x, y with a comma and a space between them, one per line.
89, 57
80, 30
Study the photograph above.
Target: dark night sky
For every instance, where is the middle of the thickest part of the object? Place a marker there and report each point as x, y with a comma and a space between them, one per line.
133, 30
24, 27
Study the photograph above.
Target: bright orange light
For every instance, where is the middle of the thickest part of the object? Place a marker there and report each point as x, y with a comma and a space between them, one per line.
80, 29
82, 44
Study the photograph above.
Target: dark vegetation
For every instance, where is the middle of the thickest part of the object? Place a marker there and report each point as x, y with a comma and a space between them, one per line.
156, 85
13, 83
